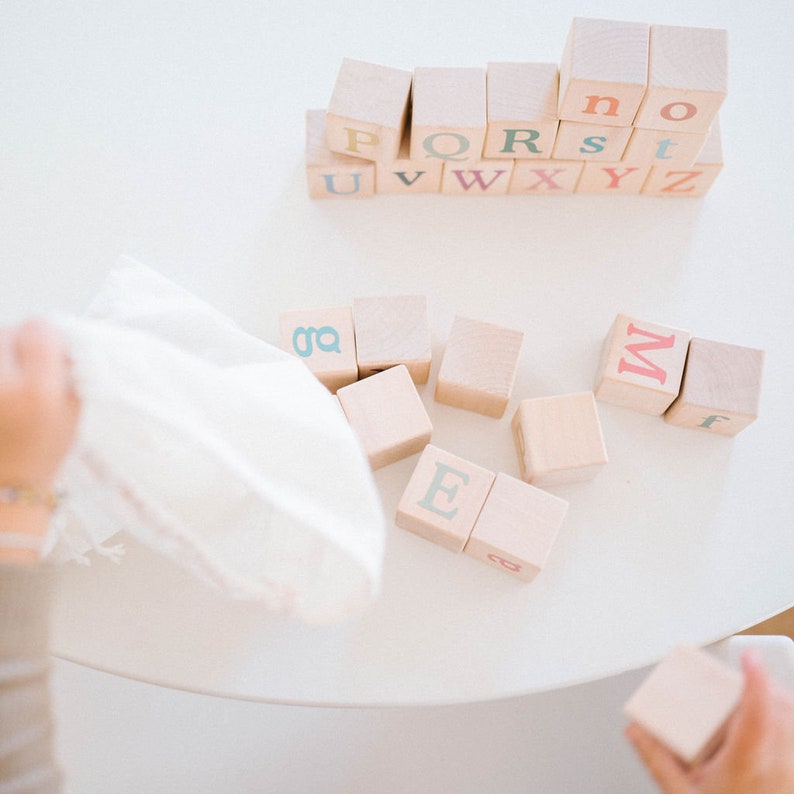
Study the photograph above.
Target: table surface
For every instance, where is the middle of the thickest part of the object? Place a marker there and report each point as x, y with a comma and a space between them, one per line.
173, 132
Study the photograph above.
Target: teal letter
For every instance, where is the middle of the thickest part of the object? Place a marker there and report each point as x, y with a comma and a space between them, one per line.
710, 420
661, 152
404, 177
592, 141
511, 141
429, 146
441, 471
302, 340
329, 184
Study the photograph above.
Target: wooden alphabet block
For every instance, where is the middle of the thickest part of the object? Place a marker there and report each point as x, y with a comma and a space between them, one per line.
517, 527
721, 388
577, 141
405, 175
603, 72
641, 365
545, 177
479, 366
388, 416
686, 702
324, 339
331, 175
368, 109
393, 330
664, 147
625, 176
559, 439
522, 110
687, 78
443, 498
477, 178
448, 113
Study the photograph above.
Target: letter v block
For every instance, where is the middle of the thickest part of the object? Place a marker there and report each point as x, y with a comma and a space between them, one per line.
641, 365
405, 175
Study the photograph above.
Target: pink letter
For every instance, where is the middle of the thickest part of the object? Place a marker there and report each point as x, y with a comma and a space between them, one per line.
651, 371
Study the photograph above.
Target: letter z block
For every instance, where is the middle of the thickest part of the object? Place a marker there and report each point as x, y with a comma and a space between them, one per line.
641, 365
388, 416
686, 702
517, 527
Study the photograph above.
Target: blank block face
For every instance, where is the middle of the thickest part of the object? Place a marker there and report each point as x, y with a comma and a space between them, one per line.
367, 111
331, 175
603, 72
626, 176
388, 416
443, 498
479, 366
477, 178
641, 365
545, 177
448, 114
393, 330
517, 527
664, 148
522, 110
405, 175
686, 701
721, 388
559, 439
577, 141
687, 78
324, 339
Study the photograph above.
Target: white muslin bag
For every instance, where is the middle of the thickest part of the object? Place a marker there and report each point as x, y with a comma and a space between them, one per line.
217, 450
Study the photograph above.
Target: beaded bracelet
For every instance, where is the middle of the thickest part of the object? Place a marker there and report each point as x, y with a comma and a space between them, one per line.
30, 496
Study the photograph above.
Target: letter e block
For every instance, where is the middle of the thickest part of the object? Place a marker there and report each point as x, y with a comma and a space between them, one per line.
443, 498
686, 701
517, 527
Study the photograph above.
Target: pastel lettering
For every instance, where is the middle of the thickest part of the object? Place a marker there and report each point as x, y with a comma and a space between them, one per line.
675, 187
615, 177
710, 420
650, 370
477, 179
509, 564
594, 101
670, 113
462, 142
511, 139
592, 141
331, 187
403, 177
451, 491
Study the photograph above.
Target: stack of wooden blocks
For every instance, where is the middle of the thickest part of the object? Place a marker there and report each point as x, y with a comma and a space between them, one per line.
632, 108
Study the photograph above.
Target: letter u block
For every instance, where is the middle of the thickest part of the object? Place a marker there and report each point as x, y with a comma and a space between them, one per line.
641, 365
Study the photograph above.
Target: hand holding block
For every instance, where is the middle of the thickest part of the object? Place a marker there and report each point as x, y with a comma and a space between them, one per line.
641, 365
721, 388
545, 177
477, 178
559, 439
393, 330
686, 702
325, 341
479, 366
405, 175
443, 498
388, 416
517, 527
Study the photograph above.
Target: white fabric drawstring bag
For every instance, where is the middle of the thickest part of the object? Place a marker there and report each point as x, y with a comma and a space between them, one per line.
215, 449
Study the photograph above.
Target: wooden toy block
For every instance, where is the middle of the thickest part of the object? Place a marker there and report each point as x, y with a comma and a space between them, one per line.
693, 181
545, 177
577, 141
477, 178
324, 339
686, 701
443, 498
393, 330
405, 175
479, 366
603, 72
522, 110
687, 78
517, 527
625, 176
641, 365
559, 439
331, 175
721, 388
449, 113
368, 109
664, 147
388, 416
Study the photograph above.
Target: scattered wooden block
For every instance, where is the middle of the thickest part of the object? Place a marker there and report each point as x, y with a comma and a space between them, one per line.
603, 72
721, 388
443, 498
641, 365
405, 175
324, 339
331, 175
577, 141
625, 176
522, 110
393, 330
517, 527
388, 416
687, 78
686, 702
545, 177
479, 366
368, 109
477, 178
664, 147
559, 439
449, 114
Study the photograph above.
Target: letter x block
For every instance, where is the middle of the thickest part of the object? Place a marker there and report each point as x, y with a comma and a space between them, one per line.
686, 702
721, 388
641, 365
545, 177
388, 416
559, 439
